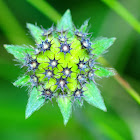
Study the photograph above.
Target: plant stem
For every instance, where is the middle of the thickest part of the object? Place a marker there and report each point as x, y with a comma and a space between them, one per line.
11, 27
127, 16
46, 9
122, 82
127, 87
124, 13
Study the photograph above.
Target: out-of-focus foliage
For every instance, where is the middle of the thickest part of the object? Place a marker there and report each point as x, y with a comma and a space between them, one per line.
120, 122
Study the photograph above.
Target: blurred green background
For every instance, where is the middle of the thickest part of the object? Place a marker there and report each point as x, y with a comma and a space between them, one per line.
121, 122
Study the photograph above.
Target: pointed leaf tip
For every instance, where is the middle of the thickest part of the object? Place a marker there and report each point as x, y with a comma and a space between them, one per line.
35, 31
66, 22
65, 106
102, 45
84, 26
22, 81
19, 52
35, 102
93, 96
104, 72
68, 11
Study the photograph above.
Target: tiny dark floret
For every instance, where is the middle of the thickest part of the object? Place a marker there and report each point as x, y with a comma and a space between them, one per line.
48, 32
67, 72
65, 48
47, 93
86, 44
61, 83
82, 65
91, 75
32, 65
46, 45
53, 63
78, 93
81, 78
34, 80
48, 74
79, 34
62, 37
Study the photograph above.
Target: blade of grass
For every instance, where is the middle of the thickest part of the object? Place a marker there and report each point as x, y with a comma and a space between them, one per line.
10, 26
124, 13
117, 77
46, 9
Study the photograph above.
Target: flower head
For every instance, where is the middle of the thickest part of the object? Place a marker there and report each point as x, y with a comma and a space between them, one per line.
62, 65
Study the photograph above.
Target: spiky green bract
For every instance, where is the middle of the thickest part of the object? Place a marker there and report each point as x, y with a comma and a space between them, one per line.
93, 96
101, 45
104, 72
35, 101
84, 26
66, 22
65, 106
22, 81
62, 65
19, 52
36, 32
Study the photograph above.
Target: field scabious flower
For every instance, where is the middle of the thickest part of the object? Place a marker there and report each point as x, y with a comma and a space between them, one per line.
62, 65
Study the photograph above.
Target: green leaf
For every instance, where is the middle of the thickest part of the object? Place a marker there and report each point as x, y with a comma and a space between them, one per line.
22, 81
84, 26
35, 31
93, 96
101, 45
35, 101
65, 106
65, 22
104, 72
19, 52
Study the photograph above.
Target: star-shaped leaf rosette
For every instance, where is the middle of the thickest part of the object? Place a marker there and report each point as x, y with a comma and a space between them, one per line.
62, 66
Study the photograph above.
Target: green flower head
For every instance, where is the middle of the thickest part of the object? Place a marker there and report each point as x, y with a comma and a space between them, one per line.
62, 65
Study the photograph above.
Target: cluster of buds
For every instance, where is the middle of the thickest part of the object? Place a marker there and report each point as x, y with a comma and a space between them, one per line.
61, 64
